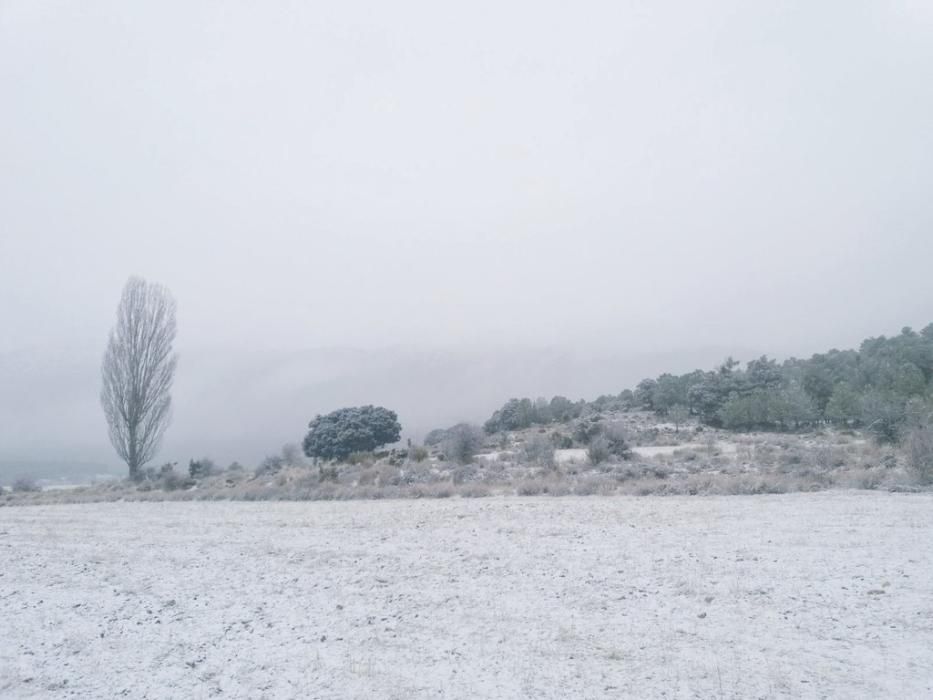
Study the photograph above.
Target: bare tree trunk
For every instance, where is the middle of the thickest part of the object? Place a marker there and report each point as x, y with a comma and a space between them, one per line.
137, 372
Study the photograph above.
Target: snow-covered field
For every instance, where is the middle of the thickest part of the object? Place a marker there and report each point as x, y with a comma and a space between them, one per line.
802, 595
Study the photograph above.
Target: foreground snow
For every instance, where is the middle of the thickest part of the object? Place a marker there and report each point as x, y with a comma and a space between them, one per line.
803, 595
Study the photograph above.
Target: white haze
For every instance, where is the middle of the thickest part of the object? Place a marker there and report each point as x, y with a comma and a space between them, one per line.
436, 207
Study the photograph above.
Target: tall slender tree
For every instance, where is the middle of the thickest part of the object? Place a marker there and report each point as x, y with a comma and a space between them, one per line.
137, 371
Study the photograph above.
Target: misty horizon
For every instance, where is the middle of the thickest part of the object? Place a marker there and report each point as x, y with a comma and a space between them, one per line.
439, 209
280, 391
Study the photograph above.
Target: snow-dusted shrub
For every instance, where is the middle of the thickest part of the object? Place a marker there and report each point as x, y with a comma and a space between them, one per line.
200, 468
598, 451
538, 449
918, 444
170, 480
270, 465
417, 453
25, 484
462, 443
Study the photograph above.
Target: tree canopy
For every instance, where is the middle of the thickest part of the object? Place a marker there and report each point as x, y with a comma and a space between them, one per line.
868, 387
347, 430
137, 373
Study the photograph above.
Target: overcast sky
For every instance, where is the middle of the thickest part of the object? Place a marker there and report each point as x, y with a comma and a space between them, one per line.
634, 177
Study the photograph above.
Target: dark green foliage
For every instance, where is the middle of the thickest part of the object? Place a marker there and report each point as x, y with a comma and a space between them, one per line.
644, 394
822, 374
785, 408
763, 375
561, 441
606, 402
882, 413
518, 414
606, 440
669, 390
868, 387
348, 430
199, 468
616, 440
563, 409
844, 405
587, 429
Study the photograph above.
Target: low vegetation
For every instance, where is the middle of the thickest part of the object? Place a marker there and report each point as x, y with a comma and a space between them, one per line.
851, 419
631, 453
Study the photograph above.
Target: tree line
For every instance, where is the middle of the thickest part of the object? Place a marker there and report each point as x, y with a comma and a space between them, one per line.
885, 387
882, 387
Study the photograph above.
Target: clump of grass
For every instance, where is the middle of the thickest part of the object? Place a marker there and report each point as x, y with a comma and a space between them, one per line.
529, 487
26, 484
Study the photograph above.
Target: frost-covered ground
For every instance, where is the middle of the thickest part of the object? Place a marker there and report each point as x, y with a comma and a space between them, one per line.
801, 595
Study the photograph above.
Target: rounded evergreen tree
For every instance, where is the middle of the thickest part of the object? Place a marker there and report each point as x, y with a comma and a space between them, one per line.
347, 430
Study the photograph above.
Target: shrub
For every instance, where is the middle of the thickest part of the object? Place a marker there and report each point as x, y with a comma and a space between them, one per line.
561, 441
598, 451
539, 450
474, 491
882, 413
462, 443
367, 477
172, 481
435, 437
868, 479
616, 440
200, 468
292, 456
417, 453
558, 488
529, 487
26, 484
659, 471
270, 465
587, 429
328, 473
432, 491
396, 457
154, 474
593, 485
387, 475
918, 445
465, 473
